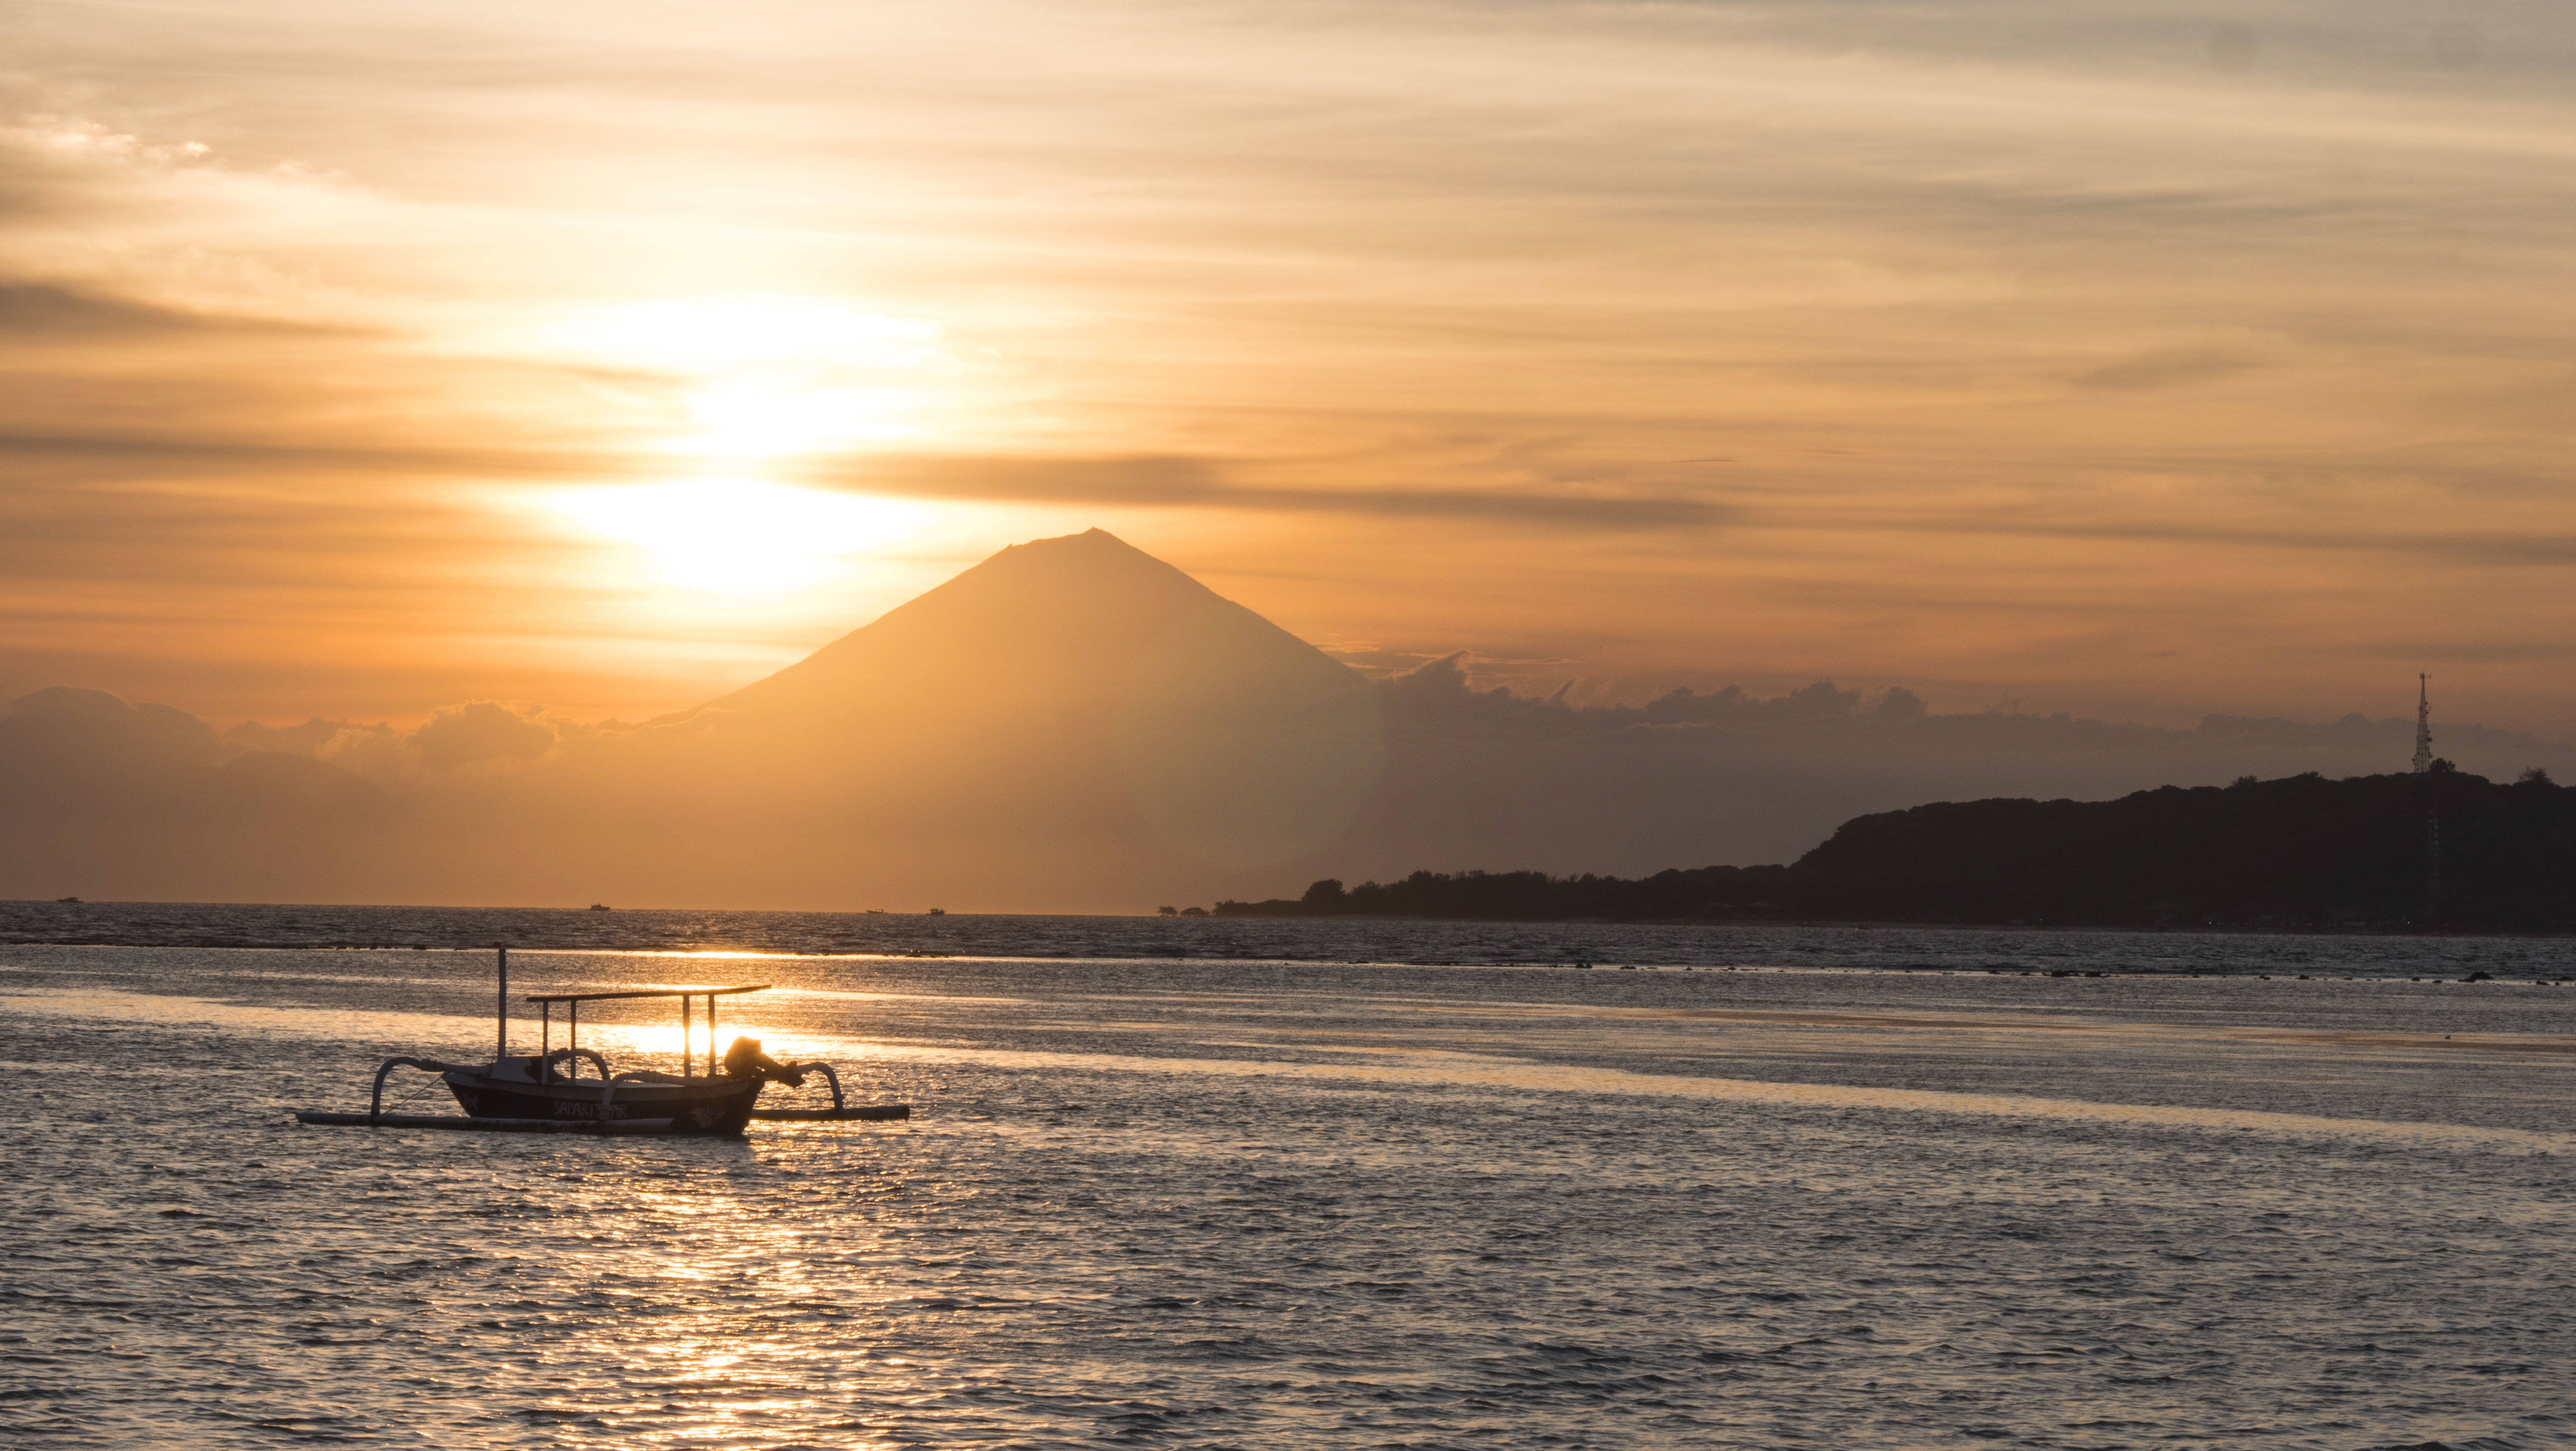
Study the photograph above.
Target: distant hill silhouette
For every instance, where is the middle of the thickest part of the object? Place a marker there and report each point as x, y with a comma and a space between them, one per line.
2298, 852
95, 790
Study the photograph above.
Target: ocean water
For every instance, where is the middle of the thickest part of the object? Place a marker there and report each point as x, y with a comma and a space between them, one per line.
1247, 1184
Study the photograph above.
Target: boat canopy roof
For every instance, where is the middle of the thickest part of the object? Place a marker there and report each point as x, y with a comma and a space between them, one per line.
675, 992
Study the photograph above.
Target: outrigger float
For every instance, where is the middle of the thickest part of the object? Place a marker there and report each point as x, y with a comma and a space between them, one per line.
546, 1094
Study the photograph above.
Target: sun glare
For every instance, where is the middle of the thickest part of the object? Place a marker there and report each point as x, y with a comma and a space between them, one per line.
768, 417
738, 537
763, 377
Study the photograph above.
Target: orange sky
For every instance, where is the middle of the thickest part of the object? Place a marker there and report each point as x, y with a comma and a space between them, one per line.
360, 360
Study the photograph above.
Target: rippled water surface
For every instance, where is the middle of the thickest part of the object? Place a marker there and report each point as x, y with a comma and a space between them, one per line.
1294, 1185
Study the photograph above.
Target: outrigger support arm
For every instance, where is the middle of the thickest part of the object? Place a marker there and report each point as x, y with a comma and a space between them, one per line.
376, 1101
829, 1077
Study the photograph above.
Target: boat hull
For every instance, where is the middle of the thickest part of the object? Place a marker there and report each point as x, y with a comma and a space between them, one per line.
699, 1106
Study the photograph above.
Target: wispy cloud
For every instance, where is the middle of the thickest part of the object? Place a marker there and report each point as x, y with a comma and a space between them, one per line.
1652, 335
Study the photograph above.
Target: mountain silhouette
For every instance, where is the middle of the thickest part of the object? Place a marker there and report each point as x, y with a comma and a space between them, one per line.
1070, 619
1071, 685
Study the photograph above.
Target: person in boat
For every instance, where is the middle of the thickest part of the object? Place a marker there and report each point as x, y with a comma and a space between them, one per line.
745, 1060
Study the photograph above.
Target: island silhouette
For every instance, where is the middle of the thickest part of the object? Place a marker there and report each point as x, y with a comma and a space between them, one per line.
2439, 850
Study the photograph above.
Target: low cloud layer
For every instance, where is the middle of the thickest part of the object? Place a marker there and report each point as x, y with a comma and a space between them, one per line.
1072, 725
488, 803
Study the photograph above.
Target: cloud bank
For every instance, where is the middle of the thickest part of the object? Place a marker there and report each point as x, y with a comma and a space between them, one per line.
2140, 358
1071, 726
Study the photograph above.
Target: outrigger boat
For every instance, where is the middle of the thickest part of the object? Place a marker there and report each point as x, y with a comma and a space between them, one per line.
545, 1092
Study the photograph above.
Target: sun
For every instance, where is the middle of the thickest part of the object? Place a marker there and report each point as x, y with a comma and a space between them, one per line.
742, 537
735, 385
763, 377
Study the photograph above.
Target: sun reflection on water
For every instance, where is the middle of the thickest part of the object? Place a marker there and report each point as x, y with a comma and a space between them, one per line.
1384, 1216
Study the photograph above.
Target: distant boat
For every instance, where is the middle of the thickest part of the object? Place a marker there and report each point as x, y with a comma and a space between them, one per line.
74, 901
875, 912
938, 911
545, 1091
599, 906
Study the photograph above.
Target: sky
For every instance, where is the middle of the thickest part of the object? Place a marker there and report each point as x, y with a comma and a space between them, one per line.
2140, 361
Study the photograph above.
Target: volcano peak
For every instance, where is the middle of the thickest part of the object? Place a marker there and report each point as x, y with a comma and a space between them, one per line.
1068, 618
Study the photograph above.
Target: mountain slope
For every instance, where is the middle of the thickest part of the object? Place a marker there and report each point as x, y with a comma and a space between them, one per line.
1067, 688
1072, 618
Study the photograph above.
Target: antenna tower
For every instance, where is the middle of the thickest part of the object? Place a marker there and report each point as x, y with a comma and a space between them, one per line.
2432, 801
2423, 724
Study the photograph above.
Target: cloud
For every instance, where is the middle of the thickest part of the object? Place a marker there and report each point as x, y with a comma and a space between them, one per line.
311, 738
1484, 778
2170, 368
1170, 482
1027, 802
456, 737
2473, 546
482, 732
1072, 725
2019, 312
234, 457
41, 312
1146, 482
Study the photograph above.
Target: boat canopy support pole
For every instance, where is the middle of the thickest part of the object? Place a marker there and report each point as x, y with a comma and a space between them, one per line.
570, 1058
501, 1017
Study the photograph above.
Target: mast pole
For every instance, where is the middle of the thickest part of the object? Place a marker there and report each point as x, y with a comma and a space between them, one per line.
501, 1013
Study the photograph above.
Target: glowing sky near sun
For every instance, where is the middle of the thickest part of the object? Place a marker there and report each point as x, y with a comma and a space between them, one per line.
2138, 360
